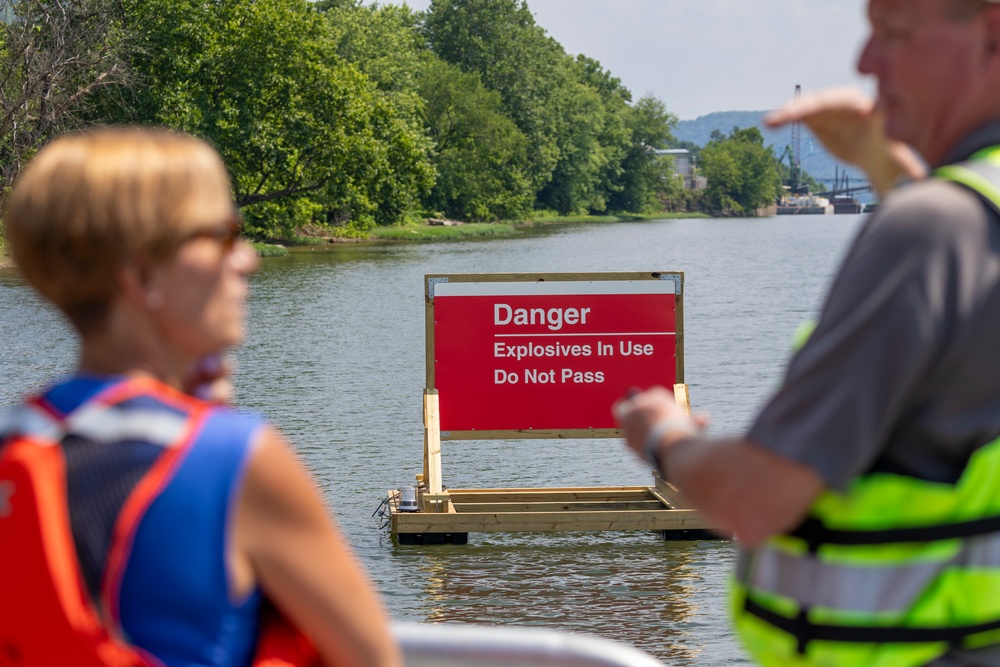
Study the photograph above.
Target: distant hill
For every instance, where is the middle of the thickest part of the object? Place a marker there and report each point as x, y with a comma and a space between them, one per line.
815, 160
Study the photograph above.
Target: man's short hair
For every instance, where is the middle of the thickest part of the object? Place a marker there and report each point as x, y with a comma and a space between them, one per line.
89, 204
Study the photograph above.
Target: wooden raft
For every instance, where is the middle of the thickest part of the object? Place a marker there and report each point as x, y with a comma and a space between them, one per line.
448, 516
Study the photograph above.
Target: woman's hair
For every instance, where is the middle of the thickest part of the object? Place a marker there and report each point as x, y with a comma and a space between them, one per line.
90, 204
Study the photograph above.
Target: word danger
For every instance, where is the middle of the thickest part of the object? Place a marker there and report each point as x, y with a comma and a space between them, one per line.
535, 350
534, 376
553, 318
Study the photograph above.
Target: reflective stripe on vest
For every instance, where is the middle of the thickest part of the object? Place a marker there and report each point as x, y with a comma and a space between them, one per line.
894, 571
101, 423
30, 420
862, 587
97, 422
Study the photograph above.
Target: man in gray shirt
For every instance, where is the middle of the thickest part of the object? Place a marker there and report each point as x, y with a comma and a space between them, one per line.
873, 435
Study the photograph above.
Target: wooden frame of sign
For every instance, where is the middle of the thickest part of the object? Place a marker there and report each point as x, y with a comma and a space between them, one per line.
555, 318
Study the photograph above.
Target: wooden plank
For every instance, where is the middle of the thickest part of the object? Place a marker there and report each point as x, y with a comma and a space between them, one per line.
533, 496
654, 504
432, 442
439, 503
682, 398
671, 500
428, 335
679, 328
536, 277
669, 493
547, 522
553, 498
555, 489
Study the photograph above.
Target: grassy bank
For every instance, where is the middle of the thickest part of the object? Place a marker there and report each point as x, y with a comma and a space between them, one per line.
548, 217
269, 249
422, 231
425, 232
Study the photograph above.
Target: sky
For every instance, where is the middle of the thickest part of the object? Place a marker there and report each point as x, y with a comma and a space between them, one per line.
700, 56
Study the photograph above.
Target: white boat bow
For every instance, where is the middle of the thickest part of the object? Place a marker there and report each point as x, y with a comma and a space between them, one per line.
461, 645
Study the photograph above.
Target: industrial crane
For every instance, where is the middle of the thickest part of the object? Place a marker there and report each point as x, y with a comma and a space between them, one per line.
794, 154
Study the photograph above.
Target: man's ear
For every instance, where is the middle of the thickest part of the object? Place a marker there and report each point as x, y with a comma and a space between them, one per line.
991, 24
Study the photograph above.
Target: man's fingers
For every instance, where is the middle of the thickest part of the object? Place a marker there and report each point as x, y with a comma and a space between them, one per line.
621, 408
832, 100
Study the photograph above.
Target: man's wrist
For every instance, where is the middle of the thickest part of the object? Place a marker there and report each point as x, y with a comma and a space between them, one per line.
652, 446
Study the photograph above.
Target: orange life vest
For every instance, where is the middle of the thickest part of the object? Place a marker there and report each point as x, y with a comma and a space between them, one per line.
46, 615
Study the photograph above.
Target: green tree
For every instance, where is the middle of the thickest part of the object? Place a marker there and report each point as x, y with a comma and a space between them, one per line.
54, 57
742, 173
500, 41
384, 42
306, 135
647, 180
575, 183
593, 140
481, 156
571, 110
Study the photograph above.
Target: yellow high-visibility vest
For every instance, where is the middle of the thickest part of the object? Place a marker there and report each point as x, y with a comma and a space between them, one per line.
891, 573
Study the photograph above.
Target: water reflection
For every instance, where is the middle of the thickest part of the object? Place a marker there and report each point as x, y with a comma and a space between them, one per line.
617, 585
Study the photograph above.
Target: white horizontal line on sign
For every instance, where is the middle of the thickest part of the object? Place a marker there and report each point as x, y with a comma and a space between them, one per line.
554, 288
555, 335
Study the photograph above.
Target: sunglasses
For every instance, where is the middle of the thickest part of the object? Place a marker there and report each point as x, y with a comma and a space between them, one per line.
225, 235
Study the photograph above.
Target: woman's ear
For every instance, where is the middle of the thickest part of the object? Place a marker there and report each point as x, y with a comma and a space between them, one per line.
139, 287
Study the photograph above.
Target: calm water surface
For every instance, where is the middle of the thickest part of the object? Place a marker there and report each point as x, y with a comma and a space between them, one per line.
335, 356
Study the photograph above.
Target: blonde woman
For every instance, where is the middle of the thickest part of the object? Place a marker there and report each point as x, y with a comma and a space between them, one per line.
185, 515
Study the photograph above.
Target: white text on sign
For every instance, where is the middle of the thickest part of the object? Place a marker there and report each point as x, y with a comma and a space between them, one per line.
535, 376
553, 318
519, 352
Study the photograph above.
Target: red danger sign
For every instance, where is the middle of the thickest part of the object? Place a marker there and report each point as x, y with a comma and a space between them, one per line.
549, 355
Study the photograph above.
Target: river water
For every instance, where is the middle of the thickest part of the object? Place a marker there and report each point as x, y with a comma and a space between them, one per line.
335, 356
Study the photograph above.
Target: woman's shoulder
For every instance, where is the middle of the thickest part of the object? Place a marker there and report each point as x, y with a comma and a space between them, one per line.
230, 427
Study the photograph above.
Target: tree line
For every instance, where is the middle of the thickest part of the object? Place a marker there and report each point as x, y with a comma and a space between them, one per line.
338, 114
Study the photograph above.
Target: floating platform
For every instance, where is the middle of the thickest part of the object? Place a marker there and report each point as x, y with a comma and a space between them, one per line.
447, 518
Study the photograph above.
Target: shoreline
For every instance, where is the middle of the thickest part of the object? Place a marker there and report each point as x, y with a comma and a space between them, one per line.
425, 232
465, 231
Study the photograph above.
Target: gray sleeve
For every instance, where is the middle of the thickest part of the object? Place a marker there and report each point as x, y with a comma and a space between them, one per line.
887, 319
